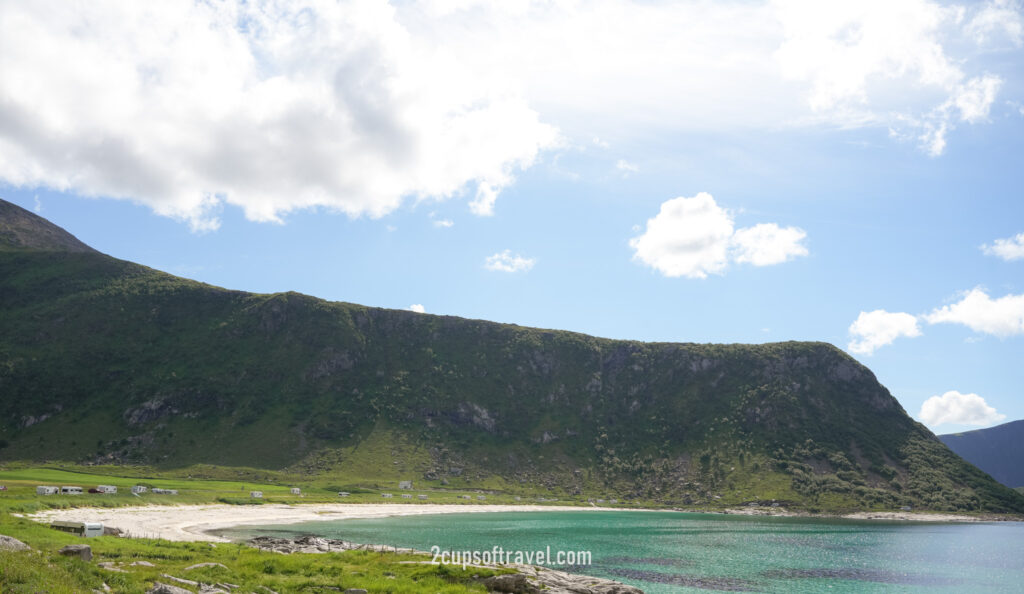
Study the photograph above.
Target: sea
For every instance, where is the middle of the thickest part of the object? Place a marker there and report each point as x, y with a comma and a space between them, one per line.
662, 552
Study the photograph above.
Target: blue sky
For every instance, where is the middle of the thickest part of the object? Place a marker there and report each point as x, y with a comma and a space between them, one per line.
692, 172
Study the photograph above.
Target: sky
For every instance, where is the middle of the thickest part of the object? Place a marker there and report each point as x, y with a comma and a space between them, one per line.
748, 171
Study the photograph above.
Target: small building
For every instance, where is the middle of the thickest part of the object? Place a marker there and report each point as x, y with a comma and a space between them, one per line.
386, 495
256, 494
106, 489
70, 490
139, 489
343, 493
296, 491
44, 490
422, 496
407, 485
83, 529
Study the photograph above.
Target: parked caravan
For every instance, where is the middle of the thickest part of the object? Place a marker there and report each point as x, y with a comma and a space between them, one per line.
83, 529
44, 490
70, 490
111, 489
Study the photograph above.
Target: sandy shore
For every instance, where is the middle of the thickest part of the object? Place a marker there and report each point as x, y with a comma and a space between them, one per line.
193, 522
899, 516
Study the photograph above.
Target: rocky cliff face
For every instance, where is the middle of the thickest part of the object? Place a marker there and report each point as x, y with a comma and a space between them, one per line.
114, 362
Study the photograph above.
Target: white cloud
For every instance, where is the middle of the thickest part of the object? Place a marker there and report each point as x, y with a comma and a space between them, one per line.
626, 167
694, 237
767, 243
269, 106
960, 409
507, 262
1009, 249
273, 106
874, 329
418, 308
997, 20
979, 312
444, 223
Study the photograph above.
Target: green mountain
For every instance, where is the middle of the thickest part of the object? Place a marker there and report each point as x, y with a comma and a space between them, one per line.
106, 361
997, 450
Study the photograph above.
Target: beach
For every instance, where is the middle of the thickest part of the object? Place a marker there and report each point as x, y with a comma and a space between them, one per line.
195, 522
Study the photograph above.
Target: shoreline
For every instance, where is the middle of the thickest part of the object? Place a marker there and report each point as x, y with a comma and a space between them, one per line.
194, 523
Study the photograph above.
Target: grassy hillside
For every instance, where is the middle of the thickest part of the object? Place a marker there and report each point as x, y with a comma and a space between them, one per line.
997, 450
105, 361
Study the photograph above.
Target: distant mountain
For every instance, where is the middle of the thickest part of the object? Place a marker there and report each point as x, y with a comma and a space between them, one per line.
103, 360
997, 450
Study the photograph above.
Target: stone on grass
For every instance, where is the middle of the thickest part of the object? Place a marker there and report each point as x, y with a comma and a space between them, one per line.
161, 588
83, 552
8, 543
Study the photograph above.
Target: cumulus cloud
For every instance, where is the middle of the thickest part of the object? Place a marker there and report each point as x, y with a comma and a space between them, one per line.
444, 223
875, 329
273, 106
694, 237
507, 262
979, 312
269, 106
960, 409
1011, 248
418, 308
765, 244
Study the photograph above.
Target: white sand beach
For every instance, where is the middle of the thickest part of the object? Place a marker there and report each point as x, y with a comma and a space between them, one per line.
192, 522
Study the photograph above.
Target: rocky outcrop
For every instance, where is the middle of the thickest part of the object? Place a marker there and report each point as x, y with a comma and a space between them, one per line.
83, 552
8, 543
529, 580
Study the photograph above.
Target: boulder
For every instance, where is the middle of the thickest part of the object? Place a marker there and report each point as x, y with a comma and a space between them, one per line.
514, 583
161, 588
199, 565
8, 543
83, 552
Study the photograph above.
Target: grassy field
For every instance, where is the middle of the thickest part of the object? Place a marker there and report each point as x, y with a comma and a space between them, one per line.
43, 570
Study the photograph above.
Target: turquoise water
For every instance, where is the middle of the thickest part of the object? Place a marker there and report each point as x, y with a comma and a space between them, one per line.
664, 552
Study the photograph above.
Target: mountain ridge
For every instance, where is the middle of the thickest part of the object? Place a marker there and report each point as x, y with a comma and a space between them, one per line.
997, 450
108, 361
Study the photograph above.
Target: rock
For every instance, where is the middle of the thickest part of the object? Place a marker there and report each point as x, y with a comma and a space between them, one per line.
160, 588
198, 565
111, 531
514, 583
8, 543
111, 566
355, 591
83, 552
141, 564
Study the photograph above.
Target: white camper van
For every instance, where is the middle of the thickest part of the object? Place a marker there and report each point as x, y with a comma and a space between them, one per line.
70, 490
83, 529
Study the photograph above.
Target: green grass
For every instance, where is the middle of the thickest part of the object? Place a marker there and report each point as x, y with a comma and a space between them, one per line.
44, 570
